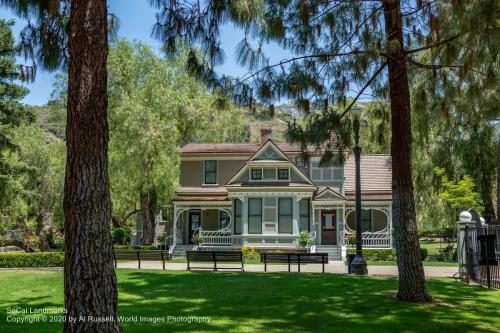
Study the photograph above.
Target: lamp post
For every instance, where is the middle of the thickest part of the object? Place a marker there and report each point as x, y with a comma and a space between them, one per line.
358, 265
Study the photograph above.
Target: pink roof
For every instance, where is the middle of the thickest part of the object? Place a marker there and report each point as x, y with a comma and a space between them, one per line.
243, 148
376, 174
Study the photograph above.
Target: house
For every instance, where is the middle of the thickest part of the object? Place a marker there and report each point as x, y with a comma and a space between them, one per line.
263, 194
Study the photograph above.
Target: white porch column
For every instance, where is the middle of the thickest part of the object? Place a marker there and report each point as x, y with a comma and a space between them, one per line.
244, 218
295, 215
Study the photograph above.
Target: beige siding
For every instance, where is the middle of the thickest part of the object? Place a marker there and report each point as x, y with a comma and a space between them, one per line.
192, 172
227, 169
210, 219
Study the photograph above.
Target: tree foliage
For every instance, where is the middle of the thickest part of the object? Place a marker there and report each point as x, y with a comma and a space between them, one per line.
459, 195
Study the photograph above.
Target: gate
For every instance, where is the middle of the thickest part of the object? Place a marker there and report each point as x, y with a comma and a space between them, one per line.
482, 246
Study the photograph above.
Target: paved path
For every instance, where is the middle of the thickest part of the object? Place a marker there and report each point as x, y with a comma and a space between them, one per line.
337, 267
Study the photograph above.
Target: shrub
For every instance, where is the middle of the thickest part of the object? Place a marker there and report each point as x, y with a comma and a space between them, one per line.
383, 254
36, 259
135, 247
377, 254
350, 240
120, 235
305, 238
250, 255
424, 253
197, 240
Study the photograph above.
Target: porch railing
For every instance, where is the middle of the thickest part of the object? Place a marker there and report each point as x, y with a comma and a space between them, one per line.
217, 237
375, 239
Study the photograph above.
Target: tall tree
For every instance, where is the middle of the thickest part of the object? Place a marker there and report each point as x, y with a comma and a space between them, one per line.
82, 44
88, 265
155, 106
343, 49
12, 115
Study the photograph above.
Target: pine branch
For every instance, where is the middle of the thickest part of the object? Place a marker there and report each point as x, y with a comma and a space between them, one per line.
367, 84
307, 56
433, 45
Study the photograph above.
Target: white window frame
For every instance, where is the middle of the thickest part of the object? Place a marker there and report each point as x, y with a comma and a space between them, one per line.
274, 221
216, 173
322, 170
275, 179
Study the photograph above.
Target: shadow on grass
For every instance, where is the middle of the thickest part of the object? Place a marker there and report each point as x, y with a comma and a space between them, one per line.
294, 302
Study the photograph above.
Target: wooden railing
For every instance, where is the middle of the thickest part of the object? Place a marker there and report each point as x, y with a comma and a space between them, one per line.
218, 237
377, 239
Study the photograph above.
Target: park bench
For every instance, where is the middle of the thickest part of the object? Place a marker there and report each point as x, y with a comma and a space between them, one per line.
144, 255
215, 257
294, 258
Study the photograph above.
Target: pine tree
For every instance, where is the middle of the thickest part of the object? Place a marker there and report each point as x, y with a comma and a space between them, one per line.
343, 50
12, 115
74, 35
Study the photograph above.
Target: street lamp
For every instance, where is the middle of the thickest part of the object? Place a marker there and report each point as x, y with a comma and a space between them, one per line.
358, 265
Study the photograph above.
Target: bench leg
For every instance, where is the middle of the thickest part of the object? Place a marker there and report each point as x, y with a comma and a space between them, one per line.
288, 263
188, 268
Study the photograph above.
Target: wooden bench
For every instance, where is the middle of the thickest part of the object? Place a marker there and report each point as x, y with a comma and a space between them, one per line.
215, 257
144, 255
294, 258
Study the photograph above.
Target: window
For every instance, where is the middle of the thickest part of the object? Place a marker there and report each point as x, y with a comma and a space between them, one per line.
255, 216
366, 220
285, 215
269, 173
256, 174
237, 216
326, 173
282, 173
210, 172
224, 219
304, 215
299, 162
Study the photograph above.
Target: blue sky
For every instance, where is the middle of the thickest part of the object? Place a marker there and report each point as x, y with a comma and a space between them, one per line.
136, 20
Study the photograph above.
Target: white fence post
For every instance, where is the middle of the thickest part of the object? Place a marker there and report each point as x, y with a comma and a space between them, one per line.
465, 220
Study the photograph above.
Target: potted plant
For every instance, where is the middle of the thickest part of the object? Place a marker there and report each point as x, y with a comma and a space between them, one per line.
305, 239
197, 241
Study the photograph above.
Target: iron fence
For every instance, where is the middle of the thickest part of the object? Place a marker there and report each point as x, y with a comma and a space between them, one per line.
482, 246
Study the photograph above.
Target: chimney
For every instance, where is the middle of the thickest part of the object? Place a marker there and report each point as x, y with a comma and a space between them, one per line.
265, 133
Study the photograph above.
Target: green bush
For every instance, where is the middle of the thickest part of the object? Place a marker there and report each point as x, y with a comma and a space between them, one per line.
134, 247
424, 253
36, 259
377, 254
383, 254
121, 235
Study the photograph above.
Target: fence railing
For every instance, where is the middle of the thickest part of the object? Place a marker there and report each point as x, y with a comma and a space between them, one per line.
219, 237
377, 239
482, 250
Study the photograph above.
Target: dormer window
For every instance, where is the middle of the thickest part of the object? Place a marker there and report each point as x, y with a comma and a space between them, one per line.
326, 173
283, 174
256, 173
210, 172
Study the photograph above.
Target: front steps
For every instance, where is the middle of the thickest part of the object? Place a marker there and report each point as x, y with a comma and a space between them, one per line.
334, 251
180, 250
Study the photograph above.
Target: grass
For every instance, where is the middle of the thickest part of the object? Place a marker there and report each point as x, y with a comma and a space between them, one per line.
434, 247
426, 263
265, 302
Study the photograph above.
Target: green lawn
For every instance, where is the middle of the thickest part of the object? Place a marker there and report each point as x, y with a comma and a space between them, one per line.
426, 263
434, 246
265, 302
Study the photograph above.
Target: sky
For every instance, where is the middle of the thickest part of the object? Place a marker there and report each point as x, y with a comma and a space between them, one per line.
136, 21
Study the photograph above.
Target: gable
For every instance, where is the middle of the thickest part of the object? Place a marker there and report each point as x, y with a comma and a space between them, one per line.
269, 151
329, 195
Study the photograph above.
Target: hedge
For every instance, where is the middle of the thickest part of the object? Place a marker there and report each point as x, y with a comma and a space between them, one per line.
36, 259
383, 254
135, 247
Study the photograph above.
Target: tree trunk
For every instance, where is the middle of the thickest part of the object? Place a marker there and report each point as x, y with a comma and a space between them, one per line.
148, 209
498, 182
411, 272
89, 277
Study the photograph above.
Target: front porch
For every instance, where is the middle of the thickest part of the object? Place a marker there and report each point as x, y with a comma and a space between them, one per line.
226, 223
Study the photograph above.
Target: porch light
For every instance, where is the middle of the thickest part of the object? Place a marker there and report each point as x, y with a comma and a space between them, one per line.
358, 265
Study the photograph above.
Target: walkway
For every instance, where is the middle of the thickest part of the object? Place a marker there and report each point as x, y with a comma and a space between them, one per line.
337, 267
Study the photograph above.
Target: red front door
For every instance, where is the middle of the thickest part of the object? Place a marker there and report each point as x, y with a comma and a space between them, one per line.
329, 227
